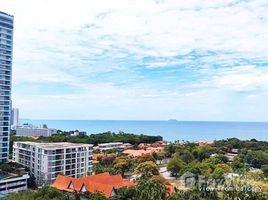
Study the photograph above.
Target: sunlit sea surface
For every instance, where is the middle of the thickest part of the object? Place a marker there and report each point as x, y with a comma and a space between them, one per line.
170, 130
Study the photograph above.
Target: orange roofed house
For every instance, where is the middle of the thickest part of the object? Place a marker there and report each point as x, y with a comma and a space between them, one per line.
104, 183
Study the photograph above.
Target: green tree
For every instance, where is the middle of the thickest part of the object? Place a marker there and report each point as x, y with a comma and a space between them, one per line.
151, 189
45, 193
122, 164
255, 175
186, 156
148, 169
94, 196
23, 195
127, 193
51, 193
170, 149
159, 156
203, 152
192, 167
175, 166
145, 157
264, 168
220, 170
256, 158
238, 165
107, 159
31, 182
176, 196
222, 158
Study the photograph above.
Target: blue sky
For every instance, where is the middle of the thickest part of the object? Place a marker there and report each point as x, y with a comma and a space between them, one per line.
125, 59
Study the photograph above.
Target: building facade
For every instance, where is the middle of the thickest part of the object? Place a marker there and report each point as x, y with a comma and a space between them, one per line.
111, 146
15, 117
47, 160
13, 184
6, 42
33, 131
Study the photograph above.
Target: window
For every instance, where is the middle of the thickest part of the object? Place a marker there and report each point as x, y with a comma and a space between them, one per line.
4, 154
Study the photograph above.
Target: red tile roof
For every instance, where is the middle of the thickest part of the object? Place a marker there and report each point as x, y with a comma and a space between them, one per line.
104, 183
137, 153
62, 182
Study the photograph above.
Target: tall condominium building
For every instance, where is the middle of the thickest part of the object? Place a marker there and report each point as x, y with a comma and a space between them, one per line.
6, 40
15, 117
47, 160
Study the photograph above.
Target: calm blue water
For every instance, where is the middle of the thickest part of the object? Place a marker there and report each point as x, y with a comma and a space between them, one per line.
169, 130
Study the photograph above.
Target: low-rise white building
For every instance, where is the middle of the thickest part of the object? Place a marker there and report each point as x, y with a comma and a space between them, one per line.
110, 146
47, 160
28, 130
13, 182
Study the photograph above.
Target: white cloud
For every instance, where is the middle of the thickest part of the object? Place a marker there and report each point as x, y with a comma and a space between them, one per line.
82, 43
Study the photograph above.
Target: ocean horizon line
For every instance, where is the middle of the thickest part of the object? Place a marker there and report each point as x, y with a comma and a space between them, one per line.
169, 129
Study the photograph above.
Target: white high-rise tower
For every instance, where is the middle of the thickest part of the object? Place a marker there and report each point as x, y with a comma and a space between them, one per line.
6, 42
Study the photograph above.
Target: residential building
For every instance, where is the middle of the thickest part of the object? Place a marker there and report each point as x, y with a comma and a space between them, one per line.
6, 42
103, 182
14, 117
110, 146
28, 130
13, 182
113, 146
47, 160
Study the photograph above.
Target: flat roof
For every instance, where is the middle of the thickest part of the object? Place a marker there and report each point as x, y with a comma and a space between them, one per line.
57, 145
111, 143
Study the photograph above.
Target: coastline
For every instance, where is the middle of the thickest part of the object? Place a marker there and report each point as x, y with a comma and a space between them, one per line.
169, 130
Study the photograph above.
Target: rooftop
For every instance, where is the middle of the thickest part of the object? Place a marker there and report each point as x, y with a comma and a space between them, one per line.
103, 182
111, 143
4, 176
57, 145
137, 153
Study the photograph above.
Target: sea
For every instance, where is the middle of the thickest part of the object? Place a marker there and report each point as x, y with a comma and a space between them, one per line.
170, 130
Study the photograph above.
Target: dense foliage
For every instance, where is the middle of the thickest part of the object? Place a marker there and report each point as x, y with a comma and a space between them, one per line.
46, 193
241, 144
209, 160
94, 139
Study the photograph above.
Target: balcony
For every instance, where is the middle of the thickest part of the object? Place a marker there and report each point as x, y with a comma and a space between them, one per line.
61, 162
59, 157
57, 169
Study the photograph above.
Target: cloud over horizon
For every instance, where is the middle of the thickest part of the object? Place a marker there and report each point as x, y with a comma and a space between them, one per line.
151, 59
